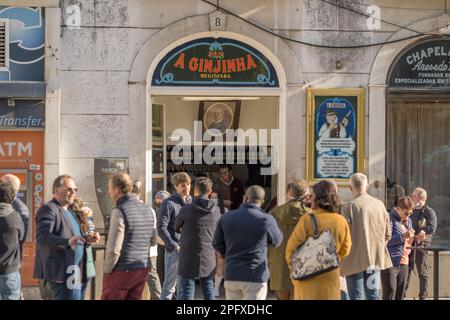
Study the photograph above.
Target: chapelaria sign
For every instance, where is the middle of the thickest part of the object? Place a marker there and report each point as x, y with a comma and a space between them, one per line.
426, 64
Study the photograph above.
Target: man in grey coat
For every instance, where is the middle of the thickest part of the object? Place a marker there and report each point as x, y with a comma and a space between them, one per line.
197, 223
18, 205
370, 231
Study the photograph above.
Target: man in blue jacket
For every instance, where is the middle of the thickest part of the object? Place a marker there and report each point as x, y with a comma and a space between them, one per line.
167, 213
242, 237
60, 246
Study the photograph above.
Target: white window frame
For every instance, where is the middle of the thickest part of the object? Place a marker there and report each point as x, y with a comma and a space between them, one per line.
6, 66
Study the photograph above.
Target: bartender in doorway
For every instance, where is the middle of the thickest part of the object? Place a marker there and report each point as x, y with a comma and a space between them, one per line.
229, 189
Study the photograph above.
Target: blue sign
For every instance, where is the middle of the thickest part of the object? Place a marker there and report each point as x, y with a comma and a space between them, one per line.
24, 114
335, 137
215, 62
26, 33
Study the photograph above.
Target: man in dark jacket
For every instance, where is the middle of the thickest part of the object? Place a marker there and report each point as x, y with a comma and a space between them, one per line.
11, 234
228, 189
196, 223
424, 223
18, 205
167, 213
242, 238
130, 237
60, 246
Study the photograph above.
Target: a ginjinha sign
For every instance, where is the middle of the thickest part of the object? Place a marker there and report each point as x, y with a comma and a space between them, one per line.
425, 64
215, 62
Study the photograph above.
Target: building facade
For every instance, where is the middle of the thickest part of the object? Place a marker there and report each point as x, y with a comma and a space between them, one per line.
110, 93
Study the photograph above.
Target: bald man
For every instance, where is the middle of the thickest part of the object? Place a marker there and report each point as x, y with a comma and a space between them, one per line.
242, 238
17, 204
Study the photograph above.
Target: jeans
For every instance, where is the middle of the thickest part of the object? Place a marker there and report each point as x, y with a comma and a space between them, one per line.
186, 288
84, 286
344, 295
60, 291
160, 263
170, 274
153, 282
394, 282
10, 286
366, 283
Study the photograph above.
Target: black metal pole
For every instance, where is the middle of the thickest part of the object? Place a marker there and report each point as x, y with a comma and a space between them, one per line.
94, 257
436, 275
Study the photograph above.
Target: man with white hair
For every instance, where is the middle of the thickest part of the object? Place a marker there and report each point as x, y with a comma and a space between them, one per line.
370, 230
18, 205
424, 223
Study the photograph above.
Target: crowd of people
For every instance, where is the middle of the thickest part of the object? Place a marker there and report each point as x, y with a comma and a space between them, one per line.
220, 232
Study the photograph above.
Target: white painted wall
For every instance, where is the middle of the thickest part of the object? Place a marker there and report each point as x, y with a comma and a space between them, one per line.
257, 114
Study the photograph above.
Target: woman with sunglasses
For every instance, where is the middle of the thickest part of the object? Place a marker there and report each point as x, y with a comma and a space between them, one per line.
394, 279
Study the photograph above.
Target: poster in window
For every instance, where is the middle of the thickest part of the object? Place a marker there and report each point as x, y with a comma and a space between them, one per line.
158, 161
157, 185
335, 125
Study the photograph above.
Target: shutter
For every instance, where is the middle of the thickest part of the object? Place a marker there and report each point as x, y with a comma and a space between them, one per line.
2, 44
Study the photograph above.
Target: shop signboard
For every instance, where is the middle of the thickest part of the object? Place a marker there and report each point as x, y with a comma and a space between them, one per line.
335, 143
25, 40
215, 62
425, 64
22, 154
24, 114
104, 169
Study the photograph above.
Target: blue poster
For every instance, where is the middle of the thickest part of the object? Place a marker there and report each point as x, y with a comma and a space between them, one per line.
335, 132
25, 30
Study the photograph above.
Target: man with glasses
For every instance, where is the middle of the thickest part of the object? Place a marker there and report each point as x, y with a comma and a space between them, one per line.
60, 246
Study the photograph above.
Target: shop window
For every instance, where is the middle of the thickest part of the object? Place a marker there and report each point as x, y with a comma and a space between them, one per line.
418, 154
3, 44
158, 163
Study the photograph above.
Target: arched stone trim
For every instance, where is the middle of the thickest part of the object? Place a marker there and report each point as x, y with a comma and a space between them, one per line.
277, 51
377, 103
389, 52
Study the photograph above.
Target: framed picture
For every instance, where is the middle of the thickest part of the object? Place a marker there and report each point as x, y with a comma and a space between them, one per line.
157, 160
335, 134
218, 116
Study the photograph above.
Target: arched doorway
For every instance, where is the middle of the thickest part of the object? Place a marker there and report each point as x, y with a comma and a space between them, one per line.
191, 78
417, 130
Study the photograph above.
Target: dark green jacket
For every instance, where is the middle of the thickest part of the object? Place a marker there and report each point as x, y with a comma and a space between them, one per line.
286, 216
